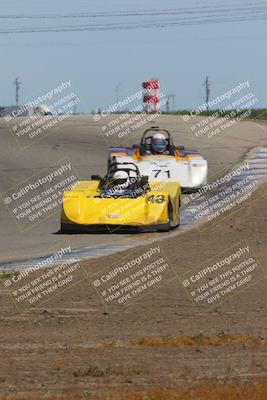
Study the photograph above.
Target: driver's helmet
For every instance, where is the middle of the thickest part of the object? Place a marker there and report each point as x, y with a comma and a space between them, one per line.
159, 143
121, 179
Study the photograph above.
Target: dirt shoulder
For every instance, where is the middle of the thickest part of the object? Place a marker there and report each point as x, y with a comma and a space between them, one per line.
73, 346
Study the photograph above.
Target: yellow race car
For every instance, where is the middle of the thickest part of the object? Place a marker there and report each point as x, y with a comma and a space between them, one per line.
121, 201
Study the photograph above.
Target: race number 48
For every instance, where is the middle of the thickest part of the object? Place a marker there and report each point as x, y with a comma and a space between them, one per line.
159, 198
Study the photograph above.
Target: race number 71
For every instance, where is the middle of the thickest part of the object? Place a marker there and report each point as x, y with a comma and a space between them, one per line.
158, 171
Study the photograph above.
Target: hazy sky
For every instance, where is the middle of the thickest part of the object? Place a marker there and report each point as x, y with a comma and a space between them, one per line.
99, 43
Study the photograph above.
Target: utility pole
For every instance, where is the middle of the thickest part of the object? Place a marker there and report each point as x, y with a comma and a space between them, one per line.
117, 91
168, 104
170, 97
207, 88
17, 83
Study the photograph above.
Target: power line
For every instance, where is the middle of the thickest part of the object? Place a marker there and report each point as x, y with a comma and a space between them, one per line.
180, 17
143, 25
249, 7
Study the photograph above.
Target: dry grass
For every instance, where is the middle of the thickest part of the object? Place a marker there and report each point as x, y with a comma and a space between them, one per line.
200, 340
256, 390
253, 391
181, 341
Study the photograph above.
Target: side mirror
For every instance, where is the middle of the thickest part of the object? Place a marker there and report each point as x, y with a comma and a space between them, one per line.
96, 177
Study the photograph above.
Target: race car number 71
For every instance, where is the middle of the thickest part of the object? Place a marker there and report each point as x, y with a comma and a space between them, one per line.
158, 171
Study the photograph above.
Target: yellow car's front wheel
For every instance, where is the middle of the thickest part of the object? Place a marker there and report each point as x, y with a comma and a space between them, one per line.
166, 227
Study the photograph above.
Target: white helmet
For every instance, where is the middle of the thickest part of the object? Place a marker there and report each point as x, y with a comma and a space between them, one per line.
159, 143
120, 178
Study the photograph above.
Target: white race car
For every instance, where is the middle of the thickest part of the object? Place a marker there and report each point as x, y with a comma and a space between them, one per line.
158, 158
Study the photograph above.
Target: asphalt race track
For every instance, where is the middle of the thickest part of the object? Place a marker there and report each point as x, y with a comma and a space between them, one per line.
81, 140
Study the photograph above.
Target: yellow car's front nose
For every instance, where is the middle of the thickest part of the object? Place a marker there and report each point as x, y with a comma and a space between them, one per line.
79, 209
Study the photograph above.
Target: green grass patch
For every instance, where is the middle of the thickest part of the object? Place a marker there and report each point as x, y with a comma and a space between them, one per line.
8, 274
